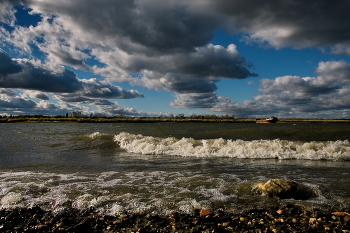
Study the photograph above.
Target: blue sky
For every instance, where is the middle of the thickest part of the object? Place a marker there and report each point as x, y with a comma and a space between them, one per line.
150, 58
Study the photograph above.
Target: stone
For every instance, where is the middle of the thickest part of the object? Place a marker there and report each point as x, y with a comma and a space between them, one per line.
347, 218
340, 213
11, 199
205, 212
284, 188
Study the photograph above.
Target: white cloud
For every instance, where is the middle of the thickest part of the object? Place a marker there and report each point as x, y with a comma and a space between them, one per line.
35, 95
7, 13
194, 100
291, 96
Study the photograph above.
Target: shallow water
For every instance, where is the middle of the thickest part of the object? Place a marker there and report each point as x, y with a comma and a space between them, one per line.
161, 167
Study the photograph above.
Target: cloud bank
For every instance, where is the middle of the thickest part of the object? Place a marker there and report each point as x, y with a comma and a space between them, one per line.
294, 96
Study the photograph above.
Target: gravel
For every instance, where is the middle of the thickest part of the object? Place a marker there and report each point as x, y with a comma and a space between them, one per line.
288, 218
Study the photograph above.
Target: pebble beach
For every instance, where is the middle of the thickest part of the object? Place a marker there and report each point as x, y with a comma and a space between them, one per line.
289, 218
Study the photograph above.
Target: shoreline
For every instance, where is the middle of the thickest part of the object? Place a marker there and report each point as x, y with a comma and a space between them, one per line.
288, 218
155, 120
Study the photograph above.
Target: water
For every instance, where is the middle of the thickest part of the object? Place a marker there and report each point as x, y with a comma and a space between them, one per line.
161, 167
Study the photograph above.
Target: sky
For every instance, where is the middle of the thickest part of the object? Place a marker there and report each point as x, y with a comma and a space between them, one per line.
289, 59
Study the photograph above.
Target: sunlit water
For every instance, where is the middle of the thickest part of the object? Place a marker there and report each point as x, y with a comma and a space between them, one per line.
162, 167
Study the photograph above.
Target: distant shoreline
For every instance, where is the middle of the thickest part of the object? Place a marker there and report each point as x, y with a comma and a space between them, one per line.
46, 119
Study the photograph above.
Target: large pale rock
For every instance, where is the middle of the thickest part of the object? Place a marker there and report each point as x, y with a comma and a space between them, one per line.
284, 188
11, 199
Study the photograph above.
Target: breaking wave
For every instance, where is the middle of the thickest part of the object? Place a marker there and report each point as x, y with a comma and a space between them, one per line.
255, 149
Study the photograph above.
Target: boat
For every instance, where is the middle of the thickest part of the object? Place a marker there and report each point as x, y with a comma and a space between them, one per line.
271, 119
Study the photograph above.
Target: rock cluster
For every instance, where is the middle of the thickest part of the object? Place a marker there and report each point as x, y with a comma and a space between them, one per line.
275, 219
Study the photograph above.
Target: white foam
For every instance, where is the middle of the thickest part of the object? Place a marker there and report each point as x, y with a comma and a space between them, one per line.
95, 135
257, 149
120, 192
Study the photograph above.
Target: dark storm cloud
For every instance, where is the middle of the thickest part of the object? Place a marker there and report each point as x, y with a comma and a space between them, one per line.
37, 78
214, 61
42, 96
208, 61
26, 75
74, 98
7, 65
155, 25
17, 103
296, 23
173, 26
183, 84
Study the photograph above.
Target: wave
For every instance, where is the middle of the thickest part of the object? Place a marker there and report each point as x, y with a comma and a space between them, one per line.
94, 140
139, 191
255, 149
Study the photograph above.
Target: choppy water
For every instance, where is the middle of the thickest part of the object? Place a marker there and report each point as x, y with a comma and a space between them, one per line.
161, 167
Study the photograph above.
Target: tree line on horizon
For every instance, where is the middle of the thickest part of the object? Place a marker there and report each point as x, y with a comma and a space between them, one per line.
121, 115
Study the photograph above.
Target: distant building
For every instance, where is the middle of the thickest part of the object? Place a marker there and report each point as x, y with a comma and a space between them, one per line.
76, 114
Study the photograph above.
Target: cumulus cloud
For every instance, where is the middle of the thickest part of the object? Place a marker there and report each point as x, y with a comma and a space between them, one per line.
35, 79
192, 77
94, 88
16, 103
23, 104
207, 61
95, 91
32, 75
332, 76
295, 96
66, 55
194, 100
115, 109
35, 95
